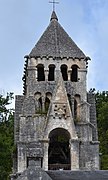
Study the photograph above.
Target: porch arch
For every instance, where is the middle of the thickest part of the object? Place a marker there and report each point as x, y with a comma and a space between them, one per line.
59, 150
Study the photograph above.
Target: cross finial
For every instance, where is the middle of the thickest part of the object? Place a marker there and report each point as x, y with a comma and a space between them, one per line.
54, 3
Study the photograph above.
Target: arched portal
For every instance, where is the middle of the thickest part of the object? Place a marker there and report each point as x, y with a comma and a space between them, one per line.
59, 151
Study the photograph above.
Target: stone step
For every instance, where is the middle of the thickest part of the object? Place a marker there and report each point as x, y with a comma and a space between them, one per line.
78, 175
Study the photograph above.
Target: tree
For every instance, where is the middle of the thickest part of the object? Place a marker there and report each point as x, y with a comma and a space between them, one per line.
102, 120
6, 136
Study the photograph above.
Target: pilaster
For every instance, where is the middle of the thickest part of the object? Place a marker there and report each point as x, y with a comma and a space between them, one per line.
45, 158
69, 74
74, 151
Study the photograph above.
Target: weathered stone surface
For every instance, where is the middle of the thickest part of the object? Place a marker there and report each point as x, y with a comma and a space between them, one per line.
56, 42
78, 175
34, 174
91, 100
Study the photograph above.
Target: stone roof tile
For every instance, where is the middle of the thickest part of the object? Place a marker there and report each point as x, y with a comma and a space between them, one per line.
56, 42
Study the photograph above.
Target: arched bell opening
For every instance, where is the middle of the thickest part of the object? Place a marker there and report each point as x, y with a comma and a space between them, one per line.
51, 75
74, 74
40, 72
59, 151
64, 72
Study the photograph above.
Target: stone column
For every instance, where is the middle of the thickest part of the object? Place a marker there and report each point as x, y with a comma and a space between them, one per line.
69, 74
45, 158
72, 104
36, 74
30, 78
46, 74
82, 78
22, 163
43, 103
74, 151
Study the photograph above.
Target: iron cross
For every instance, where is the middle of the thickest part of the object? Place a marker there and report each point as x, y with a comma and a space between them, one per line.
54, 3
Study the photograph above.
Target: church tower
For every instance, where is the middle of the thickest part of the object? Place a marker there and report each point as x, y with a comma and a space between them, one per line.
55, 119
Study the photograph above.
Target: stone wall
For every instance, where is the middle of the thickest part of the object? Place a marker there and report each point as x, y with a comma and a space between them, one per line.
89, 155
91, 100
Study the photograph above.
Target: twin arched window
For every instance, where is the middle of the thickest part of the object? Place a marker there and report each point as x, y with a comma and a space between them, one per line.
41, 72
74, 73
42, 103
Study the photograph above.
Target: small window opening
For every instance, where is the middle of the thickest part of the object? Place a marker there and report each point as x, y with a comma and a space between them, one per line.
51, 73
74, 74
75, 108
40, 73
64, 72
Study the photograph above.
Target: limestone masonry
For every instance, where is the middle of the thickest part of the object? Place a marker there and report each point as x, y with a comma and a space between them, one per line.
55, 124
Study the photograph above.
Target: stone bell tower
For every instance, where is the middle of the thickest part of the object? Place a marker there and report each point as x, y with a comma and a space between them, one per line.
55, 119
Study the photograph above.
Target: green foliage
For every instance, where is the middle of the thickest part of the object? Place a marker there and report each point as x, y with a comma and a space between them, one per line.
6, 136
102, 120
4, 102
104, 162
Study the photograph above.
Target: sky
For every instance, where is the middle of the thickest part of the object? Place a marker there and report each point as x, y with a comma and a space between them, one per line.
22, 22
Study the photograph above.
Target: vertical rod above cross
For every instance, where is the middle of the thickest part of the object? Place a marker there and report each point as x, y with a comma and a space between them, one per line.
54, 3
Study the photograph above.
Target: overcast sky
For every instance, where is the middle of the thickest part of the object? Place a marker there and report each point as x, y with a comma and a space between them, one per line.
22, 22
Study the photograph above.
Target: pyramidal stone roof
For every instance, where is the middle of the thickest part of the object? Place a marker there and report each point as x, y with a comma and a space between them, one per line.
55, 42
